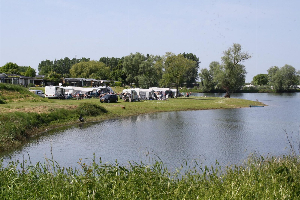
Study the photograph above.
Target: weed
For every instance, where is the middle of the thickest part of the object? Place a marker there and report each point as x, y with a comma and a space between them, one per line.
258, 178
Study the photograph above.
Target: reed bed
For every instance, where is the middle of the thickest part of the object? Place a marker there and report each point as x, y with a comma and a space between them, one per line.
258, 178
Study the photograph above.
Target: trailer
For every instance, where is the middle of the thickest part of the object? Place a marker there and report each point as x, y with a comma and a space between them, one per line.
165, 92
130, 95
146, 94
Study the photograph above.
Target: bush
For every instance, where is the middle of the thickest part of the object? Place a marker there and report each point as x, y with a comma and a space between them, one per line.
2, 101
118, 84
89, 109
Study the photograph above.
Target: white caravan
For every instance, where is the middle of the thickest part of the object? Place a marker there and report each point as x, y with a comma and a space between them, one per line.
130, 95
167, 92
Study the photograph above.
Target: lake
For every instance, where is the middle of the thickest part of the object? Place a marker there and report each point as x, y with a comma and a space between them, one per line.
226, 135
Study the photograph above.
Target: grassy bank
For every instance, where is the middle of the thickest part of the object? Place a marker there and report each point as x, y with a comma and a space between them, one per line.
258, 178
24, 115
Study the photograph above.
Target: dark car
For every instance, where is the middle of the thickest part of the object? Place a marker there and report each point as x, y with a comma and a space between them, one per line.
108, 98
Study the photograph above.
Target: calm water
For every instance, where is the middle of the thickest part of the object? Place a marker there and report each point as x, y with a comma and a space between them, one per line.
226, 135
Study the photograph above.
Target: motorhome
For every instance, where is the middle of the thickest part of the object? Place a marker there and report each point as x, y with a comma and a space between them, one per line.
54, 92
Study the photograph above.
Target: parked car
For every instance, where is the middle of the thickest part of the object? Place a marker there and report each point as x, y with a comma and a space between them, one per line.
38, 92
108, 98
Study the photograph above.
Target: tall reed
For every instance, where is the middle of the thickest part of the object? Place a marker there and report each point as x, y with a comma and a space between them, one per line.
258, 178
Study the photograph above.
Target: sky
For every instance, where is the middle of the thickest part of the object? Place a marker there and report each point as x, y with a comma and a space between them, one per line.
35, 30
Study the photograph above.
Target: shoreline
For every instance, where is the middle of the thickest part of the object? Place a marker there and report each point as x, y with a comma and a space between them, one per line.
112, 111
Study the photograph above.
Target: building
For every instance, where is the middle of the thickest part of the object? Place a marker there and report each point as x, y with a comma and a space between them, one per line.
84, 82
21, 80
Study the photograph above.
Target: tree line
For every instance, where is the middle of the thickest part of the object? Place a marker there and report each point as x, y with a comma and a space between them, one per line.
169, 70
135, 69
13, 68
282, 79
229, 75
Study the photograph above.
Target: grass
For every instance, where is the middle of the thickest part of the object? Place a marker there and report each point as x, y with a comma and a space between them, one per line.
258, 178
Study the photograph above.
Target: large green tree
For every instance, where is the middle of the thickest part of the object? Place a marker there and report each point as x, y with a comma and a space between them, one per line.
149, 73
282, 79
192, 74
230, 75
90, 69
175, 69
131, 66
260, 79
30, 72
208, 83
45, 67
10, 68
110, 62
117, 73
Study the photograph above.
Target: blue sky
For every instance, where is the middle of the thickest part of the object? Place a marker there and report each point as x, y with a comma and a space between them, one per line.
36, 30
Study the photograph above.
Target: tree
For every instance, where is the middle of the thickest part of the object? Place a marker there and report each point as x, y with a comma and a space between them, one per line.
298, 75
175, 69
149, 73
22, 70
192, 74
30, 72
90, 69
260, 79
110, 62
10, 68
53, 77
131, 67
61, 66
117, 72
282, 79
207, 77
45, 67
231, 74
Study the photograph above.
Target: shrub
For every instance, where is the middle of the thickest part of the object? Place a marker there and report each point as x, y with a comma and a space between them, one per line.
89, 109
118, 84
2, 101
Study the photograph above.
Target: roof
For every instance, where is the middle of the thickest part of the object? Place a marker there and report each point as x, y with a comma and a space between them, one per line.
3, 75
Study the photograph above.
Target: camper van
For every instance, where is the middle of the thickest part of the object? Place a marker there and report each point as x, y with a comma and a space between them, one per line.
54, 92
